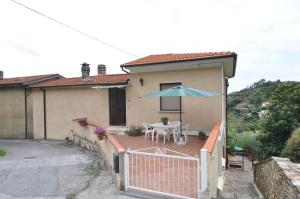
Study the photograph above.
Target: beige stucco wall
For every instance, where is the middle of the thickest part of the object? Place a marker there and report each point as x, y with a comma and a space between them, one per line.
12, 113
29, 114
65, 104
38, 114
200, 113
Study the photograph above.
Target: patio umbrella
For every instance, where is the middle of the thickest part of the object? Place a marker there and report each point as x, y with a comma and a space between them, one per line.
181, 91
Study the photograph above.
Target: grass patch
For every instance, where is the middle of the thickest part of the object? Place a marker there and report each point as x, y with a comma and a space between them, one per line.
2, 152
91, 170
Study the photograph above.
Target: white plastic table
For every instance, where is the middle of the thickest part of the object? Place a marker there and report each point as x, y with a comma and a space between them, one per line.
170, 126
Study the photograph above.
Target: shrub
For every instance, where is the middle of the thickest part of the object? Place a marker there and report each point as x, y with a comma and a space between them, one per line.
2, 152
201, 134
292, 148
246, 140
134, 131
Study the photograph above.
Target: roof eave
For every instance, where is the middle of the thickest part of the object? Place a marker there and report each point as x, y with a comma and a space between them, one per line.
12, 85
80, 85
50, 77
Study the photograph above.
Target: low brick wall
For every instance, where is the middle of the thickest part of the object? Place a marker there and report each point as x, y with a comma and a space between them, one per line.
272, 177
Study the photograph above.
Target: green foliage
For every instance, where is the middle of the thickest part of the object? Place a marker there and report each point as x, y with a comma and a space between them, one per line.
164, 120
201, 134
283, 116
292, 148
2, 152
134, 131
251, 100
246, 140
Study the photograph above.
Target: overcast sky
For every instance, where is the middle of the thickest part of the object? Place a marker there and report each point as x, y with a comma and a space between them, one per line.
264, 33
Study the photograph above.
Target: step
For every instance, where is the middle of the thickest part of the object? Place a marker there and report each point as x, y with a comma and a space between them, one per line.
120, 130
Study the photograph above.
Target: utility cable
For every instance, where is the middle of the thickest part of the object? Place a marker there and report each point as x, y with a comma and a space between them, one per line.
76, 30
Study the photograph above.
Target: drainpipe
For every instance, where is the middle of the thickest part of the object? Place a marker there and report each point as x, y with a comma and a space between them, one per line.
25, 101
226, 128
122, 68
223, 104
45, 113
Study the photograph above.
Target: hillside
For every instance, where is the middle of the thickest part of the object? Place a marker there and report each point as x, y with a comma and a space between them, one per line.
245, 107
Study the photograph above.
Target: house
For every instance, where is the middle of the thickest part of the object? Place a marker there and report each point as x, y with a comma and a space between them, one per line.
16, 119
114, 102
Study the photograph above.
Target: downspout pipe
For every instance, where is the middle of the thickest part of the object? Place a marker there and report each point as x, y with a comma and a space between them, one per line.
226, 116
122, 68
45, 113
26, 119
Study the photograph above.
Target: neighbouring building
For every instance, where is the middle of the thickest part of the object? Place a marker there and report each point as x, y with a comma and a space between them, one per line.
16, 118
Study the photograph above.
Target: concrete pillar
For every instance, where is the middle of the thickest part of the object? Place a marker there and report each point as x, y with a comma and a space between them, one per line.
204, 170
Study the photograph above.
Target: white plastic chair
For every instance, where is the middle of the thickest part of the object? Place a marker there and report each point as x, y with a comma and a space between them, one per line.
148, 130
185, 130
163, 132
176, 130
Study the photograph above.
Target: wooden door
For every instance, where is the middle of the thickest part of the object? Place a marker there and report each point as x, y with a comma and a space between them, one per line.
117, 106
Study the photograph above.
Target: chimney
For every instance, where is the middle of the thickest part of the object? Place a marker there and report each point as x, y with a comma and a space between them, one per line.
85, 70
1, 74
101, 69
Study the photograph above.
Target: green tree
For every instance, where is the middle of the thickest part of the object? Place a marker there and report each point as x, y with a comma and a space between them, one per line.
282, 118
292, 148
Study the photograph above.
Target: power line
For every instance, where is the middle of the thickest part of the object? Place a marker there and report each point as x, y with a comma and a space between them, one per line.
76, 30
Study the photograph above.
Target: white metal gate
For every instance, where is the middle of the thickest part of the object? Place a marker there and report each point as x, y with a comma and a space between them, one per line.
162, 171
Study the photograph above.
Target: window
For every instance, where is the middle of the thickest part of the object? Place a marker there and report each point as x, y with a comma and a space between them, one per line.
169, 103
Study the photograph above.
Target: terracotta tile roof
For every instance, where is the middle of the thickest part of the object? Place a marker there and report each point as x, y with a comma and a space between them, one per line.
163, 58
24, 80
93, 80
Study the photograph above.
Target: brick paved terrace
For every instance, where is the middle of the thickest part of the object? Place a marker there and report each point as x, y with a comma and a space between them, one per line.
192, 147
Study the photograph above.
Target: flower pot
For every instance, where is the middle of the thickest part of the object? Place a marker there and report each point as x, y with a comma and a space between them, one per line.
165, 122
101, 136
82, 123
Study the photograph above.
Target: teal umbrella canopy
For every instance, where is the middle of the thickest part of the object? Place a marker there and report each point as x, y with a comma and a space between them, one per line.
179, 91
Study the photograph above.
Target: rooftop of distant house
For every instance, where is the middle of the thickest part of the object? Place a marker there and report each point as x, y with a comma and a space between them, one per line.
111, 79
27, 80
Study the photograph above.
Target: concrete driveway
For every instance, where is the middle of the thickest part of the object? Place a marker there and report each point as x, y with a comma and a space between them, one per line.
51, 169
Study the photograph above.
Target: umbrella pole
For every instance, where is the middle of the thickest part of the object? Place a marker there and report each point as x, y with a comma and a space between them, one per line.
180, 120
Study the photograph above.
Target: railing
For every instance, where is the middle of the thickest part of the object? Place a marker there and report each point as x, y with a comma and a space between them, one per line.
162, 172
85, 137
213, 160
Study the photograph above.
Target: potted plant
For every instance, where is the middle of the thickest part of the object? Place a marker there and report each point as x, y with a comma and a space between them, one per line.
100, 132
202, 135
164, 120
134, 131
82, 121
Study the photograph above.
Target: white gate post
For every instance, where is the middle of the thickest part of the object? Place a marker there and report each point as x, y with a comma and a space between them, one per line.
126, 170
204, 170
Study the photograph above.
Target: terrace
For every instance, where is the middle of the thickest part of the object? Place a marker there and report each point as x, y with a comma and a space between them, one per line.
192, 148
163, 169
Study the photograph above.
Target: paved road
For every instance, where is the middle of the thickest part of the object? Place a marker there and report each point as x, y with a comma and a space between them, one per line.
49, 169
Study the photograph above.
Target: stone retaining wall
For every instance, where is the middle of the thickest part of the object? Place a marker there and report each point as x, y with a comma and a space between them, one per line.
274, 177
